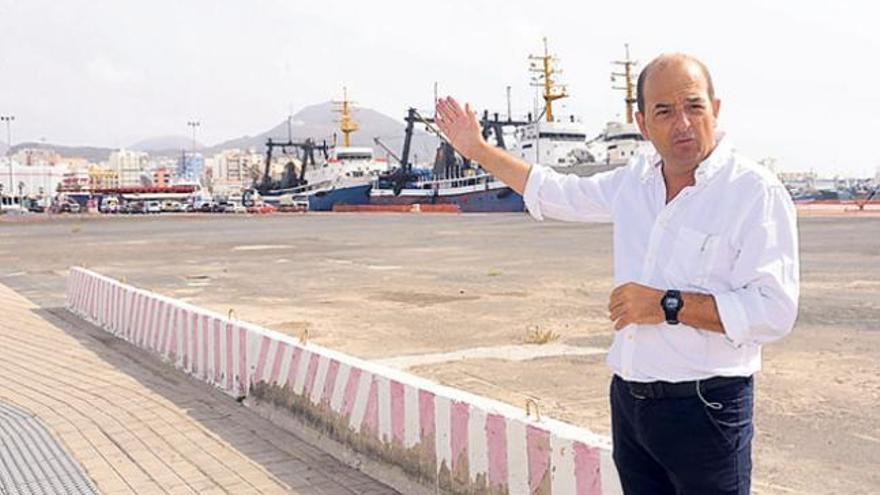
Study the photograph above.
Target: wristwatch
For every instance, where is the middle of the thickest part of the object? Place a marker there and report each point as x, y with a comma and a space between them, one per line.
672, 304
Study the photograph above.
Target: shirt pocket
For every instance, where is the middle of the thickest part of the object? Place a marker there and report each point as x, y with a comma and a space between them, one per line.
692, 258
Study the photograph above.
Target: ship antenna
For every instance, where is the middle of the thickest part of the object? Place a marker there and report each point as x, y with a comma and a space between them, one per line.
346, 123
628, 87
545, 68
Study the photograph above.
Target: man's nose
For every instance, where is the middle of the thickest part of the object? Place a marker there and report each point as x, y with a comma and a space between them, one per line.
682, 122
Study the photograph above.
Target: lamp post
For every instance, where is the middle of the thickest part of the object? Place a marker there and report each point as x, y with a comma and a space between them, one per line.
193, 124
8, 119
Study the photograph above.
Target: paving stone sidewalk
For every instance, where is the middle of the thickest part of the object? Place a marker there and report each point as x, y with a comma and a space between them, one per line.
135, 425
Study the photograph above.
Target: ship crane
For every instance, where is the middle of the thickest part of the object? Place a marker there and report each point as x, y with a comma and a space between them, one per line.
306, 149
544, 66
628, 87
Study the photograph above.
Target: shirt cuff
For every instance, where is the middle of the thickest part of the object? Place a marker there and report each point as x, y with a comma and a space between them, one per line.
733, 317
533, 187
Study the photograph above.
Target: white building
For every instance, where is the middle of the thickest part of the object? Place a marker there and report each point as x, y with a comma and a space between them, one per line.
129, 166
34, 181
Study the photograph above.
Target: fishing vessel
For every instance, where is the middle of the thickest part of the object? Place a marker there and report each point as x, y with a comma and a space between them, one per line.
562, 144
453, 179
619, 142
341, 174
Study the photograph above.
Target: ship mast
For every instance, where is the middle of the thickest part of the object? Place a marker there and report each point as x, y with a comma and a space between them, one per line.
346, 123
545, 66
628, 87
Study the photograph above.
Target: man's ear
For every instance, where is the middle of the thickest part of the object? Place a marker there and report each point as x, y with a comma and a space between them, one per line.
716, 107
640, 120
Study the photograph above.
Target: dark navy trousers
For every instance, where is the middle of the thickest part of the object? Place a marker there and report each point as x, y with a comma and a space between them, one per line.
682, 446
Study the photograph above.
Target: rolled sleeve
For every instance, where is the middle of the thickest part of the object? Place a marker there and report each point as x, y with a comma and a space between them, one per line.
763, 305
733, 317
533, 187
568, 197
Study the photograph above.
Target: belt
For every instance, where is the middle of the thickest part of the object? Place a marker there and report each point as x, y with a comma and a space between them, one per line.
670, 390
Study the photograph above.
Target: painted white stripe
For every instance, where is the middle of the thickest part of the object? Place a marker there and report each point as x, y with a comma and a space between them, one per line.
302, 368
172, 327
339, 387
121, 314
180, 325
161, 328
360, 401
190, 341
608, 474
223, 346
150, 322
383, 389
517, 457
443, 431
102, 302
200, 345
286, 359
115, 294
209, 360
320, 378
274, 347
478, 449
411, 416
237, 353
562, 478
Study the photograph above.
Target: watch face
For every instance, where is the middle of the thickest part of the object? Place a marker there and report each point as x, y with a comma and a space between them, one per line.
670, 303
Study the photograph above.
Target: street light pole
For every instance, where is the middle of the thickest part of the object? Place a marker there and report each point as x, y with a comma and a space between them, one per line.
194, 124
8, 119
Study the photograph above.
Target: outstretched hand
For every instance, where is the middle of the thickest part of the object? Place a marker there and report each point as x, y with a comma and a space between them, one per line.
460, 126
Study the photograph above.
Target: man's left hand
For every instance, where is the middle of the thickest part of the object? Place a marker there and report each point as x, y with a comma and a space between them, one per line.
633, 303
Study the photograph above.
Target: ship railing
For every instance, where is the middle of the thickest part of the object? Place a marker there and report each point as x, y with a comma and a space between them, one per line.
475, 180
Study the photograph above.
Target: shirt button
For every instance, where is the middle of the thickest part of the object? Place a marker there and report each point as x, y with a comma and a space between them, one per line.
630, 337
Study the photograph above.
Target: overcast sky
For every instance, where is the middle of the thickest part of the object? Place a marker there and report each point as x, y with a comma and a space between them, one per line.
797, 78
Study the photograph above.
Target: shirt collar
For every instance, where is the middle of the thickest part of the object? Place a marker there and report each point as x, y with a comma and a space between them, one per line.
706, 169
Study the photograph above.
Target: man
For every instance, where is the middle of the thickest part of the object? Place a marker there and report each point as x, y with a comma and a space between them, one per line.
705, 272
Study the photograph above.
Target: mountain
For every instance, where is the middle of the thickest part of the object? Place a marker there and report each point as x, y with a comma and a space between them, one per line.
316, 121
163, 145
91, 153
319, 123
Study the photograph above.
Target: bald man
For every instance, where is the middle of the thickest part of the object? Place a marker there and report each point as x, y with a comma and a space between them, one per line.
705, 272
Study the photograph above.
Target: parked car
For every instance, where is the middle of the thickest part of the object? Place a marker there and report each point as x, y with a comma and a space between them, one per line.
109, 207
136, 207
171, 206
70, 207
153, 207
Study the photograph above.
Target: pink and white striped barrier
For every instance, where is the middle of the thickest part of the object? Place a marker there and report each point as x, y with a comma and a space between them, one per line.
441, 436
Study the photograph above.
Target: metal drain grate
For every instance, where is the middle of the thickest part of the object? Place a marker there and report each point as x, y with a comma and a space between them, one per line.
32, 462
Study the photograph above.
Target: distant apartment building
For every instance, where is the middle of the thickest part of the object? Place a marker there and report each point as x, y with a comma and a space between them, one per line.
191, 167
76, 179
129, 166
235, 168
102, 178
36, 156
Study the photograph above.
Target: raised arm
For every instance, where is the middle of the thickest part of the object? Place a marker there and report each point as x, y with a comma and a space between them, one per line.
462, 130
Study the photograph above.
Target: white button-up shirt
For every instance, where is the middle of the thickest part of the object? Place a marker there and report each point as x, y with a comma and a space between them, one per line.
732, 235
